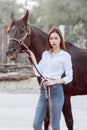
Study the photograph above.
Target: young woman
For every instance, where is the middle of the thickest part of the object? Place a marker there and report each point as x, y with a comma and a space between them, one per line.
54, 62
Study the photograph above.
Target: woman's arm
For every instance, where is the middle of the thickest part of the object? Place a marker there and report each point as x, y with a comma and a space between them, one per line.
37, 67
49, 82
67, 64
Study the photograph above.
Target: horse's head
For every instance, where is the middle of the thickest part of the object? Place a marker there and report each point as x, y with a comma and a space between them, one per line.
21, 33
18, 33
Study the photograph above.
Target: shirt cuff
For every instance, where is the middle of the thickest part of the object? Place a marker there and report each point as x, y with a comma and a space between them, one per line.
67, 80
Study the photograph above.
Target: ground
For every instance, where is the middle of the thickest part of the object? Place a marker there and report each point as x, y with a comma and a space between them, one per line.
17, 111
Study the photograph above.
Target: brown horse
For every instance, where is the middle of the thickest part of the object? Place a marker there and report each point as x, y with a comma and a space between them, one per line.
36, 40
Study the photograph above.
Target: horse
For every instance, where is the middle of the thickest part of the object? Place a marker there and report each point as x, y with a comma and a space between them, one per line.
20, 31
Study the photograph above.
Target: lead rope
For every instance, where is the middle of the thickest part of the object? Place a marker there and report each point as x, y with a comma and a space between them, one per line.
30, 58
47, 89
47, 94
49, 103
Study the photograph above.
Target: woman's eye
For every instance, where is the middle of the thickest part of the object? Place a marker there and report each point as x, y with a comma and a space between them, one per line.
56, 38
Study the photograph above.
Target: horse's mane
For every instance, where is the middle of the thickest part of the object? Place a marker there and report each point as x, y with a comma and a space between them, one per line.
72, 47
70, 44
34, 28
10, 25
38, 30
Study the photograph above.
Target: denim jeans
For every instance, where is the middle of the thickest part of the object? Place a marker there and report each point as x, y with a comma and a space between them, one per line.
57, 100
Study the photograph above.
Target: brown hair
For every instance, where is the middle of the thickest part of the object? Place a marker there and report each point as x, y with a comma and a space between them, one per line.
62, 43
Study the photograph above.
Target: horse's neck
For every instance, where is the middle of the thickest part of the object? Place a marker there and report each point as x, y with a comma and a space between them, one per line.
38, 55
39, 43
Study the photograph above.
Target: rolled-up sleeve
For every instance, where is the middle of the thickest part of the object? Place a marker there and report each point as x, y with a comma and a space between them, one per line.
67, 64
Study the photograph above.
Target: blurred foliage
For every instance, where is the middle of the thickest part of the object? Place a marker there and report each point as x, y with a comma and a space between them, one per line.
7, 7
64, 12
77, 31
51, 12
58, 12
77, 35
11, 6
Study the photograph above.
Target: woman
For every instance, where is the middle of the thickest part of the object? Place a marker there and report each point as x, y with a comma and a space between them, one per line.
54, 62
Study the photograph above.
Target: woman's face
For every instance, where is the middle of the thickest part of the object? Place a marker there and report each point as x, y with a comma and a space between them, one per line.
54, 40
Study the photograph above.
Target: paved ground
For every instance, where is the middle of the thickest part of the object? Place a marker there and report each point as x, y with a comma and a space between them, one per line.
17, 112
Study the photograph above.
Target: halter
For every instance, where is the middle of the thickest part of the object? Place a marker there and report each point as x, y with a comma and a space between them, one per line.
21, 41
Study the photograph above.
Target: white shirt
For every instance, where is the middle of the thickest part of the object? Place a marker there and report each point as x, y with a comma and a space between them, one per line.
54, 67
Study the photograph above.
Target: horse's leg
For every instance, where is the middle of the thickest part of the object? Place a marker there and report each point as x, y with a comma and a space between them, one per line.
67, 112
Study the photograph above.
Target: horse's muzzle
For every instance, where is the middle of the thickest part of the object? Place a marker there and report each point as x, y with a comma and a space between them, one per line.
11, 56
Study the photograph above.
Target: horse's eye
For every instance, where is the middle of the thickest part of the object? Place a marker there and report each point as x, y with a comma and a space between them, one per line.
21, 31
11, 31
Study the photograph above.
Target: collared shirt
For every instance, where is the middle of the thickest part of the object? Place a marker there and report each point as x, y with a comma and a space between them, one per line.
54, 67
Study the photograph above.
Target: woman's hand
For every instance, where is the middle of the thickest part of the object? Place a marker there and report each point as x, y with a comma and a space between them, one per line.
32, 56
49, 82
30, 53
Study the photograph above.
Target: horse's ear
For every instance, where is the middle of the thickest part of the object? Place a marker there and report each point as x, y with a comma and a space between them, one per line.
25, 18
12, 16
11, 24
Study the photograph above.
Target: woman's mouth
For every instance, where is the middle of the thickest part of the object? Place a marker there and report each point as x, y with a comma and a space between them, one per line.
54, 44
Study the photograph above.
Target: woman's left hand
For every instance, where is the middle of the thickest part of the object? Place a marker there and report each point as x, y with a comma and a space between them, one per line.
49, 82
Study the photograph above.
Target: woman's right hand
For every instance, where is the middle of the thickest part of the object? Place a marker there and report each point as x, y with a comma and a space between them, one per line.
32, 56
30, 53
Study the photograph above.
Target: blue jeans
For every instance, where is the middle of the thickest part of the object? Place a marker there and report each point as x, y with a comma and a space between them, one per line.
57, 100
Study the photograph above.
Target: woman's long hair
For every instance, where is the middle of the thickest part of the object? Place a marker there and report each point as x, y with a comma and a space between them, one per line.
62, 43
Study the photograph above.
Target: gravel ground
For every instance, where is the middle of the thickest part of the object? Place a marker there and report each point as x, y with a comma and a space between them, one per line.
17, 111
21, 86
